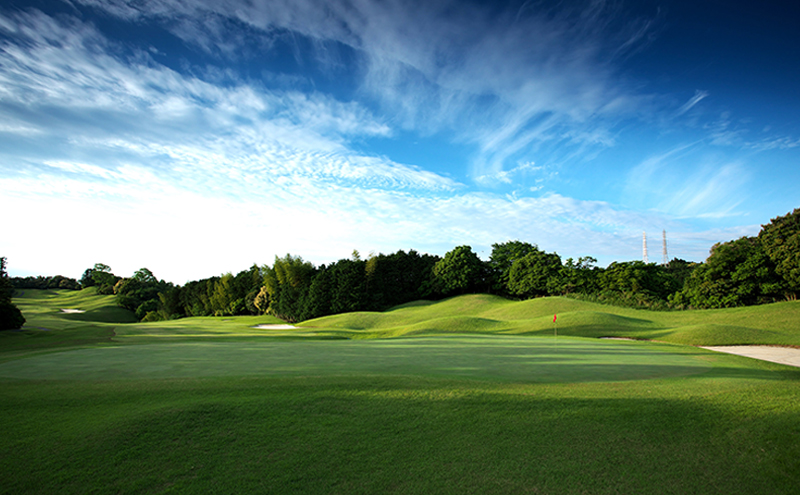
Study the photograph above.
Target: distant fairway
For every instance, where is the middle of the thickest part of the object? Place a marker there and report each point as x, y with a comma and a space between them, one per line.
470, 395
501, 358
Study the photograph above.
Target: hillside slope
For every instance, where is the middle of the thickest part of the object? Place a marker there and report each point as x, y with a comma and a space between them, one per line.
773, 324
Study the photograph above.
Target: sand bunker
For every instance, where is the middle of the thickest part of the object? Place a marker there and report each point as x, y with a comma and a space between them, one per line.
277, 326
72, 311
782, 355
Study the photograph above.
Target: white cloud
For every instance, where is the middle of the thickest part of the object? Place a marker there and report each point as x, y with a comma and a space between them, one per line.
694, 100
689, 183
142, 219
505, 81
140, 165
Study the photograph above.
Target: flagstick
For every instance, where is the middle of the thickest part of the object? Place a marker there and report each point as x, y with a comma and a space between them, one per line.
555, 325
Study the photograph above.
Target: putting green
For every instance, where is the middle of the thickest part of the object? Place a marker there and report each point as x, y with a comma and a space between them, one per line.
496, 358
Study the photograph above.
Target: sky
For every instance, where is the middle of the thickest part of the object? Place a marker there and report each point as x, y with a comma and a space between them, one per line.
198, 137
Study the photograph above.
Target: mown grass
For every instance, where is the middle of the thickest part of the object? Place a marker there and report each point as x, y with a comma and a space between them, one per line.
483, 358
51, 303
206, 405
729, 431
773, 324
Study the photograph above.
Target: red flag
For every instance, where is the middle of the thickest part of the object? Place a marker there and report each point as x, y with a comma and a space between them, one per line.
554, 318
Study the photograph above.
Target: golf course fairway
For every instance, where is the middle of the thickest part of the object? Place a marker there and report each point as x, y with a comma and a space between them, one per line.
470, 395
494, 358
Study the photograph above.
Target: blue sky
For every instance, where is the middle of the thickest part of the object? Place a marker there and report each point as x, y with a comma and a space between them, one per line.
198, 137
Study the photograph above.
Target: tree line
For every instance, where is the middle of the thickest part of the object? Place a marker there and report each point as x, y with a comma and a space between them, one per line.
747, 271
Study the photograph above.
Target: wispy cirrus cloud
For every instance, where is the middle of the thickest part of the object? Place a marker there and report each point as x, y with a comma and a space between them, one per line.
106, 103
694, 100
689, 182
505, 81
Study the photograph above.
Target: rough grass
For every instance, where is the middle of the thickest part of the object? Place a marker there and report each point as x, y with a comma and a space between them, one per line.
477, 400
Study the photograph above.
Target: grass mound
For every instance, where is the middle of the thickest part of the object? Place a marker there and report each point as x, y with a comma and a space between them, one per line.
722, 335
775, 324
51, 303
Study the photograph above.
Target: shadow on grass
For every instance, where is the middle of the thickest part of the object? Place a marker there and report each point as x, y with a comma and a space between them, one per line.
399, 435
105, 314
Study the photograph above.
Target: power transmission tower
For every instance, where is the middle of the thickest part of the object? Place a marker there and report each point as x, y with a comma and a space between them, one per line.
644, 247
664, 244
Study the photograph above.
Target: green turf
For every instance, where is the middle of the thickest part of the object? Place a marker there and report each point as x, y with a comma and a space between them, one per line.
491, 358
476, 396
51, 303
773, 324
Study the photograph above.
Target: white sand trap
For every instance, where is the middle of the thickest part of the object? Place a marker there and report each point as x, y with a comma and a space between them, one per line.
277, 326
782, 355
72, 311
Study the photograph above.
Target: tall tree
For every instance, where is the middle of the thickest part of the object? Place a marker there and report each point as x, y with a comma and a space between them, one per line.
399, 278
287, 283
637, 277
737, 273
223, 297
103, 278
460, 272
535, 274
580, 277
502, 258
140, 294
87, 279
349, 291
781, 241
10, 316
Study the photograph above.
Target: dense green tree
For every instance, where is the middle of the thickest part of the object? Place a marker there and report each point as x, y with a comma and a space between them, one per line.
288, 282
781, 242
6, 289
40, 282
145, 276
535, 274
678, 271
736, 273
223, 296
579, 277
87, 279
399, 278
637, 277
248, 283
103, 278
261, 300
10, 316
235, 295
461, 271
140, 293
349, 291
194, 297
502, 258
169, 303
320, 294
